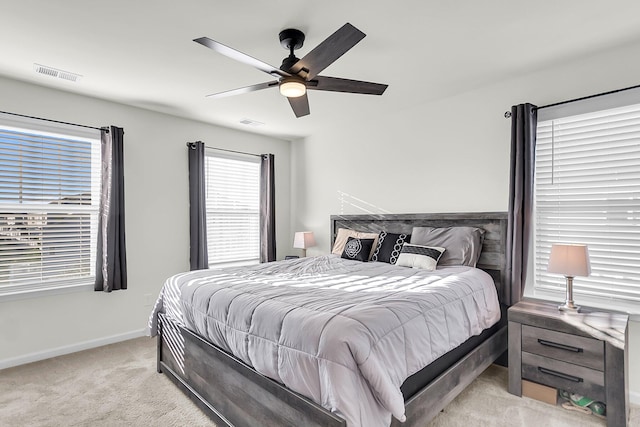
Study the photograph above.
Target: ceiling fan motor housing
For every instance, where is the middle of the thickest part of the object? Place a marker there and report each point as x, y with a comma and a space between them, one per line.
288, 62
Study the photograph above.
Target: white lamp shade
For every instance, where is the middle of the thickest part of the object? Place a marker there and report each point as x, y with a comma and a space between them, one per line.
569, 260
304, 240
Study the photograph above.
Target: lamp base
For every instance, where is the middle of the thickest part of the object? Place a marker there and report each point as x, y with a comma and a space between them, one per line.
569, 307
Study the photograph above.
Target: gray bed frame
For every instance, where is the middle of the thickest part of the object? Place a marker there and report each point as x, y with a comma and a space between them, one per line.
234, 394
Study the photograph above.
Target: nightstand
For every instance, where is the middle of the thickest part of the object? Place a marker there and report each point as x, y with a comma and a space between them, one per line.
584, 353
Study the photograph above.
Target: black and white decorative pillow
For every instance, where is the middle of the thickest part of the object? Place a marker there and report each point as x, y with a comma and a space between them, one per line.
389, 247
357, 249
418, 256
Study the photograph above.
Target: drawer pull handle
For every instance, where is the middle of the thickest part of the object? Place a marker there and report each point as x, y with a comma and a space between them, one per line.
559, 374
560, 346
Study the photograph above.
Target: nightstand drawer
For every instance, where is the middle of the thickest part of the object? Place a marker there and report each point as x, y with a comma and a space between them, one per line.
575, 349
563, 375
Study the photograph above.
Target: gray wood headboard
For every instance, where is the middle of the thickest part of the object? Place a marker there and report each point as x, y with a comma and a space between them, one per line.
493, 258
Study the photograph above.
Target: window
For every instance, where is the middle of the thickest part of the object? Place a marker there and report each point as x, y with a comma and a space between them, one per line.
49, 186
233, 208
587, 190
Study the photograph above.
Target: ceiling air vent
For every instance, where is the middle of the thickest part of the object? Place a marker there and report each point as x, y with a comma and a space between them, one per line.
250, 122
53, 72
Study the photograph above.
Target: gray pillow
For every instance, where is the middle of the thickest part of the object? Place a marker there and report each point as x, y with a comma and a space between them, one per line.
462, 244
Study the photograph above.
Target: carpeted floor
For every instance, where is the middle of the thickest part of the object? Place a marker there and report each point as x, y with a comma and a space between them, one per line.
117, 385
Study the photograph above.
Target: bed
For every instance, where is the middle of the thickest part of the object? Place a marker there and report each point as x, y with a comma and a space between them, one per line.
234, 393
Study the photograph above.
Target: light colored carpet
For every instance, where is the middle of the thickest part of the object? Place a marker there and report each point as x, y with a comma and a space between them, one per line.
117, 385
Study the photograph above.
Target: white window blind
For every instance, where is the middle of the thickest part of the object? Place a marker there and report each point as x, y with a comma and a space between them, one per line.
233, 208
587, 190
49, 196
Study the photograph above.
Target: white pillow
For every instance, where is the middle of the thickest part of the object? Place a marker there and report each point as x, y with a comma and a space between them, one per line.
418, 256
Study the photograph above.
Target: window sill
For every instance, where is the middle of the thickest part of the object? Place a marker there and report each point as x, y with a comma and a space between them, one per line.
245, 263
45, 292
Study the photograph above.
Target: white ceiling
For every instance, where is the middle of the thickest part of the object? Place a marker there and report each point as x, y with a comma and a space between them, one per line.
141, 53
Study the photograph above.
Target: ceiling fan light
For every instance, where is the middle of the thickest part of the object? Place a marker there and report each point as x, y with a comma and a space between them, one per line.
292, 88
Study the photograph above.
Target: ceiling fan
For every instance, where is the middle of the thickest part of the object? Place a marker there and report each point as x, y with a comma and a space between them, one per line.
295, 76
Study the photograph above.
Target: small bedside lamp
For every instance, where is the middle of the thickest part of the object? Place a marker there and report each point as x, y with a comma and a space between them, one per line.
570, 261
304, 240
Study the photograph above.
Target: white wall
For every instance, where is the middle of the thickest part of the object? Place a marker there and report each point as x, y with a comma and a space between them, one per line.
445, 156
157, 221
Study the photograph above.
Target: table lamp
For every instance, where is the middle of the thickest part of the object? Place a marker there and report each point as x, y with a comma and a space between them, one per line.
569, 260
303, 240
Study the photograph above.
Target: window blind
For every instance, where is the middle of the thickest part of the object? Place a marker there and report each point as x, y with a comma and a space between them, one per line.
49, 187
587, 190
233, 208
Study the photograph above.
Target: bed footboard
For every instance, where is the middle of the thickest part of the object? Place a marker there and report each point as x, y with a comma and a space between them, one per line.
233, 394
229, 391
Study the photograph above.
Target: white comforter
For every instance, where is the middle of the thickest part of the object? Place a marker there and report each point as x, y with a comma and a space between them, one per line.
343, 333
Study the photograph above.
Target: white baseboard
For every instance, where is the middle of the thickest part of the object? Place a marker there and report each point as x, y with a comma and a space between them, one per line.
60, 351
634, 397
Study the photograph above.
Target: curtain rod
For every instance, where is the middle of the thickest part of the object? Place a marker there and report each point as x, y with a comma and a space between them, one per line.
55, 121
192, 145
507, 114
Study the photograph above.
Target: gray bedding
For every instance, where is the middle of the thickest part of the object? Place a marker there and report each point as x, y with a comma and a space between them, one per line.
344, 333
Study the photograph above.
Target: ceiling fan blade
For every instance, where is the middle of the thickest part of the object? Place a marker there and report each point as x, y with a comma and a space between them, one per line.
245, 89
336, 84
241, 57
323, 55
300, 105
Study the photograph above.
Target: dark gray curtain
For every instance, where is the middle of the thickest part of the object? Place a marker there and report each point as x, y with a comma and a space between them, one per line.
198, 257
111, 259
267, 209
524, 120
